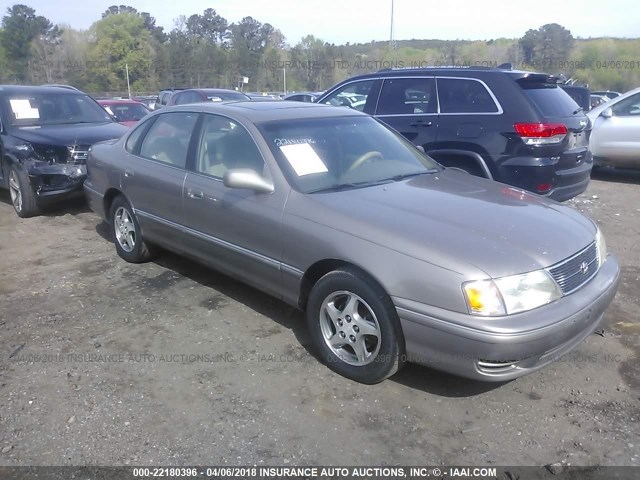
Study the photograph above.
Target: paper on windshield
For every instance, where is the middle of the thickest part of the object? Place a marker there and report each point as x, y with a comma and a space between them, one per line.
23, 110
304, 159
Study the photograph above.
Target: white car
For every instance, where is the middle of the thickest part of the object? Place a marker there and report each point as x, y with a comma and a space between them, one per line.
615, 138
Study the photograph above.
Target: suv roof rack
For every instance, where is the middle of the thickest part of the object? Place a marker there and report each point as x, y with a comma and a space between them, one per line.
502, 66
59, 85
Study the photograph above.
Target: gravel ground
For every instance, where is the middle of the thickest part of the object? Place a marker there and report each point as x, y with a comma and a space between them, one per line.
169, 363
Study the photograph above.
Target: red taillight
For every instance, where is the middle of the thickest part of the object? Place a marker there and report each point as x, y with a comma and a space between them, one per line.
544, 187
541, 133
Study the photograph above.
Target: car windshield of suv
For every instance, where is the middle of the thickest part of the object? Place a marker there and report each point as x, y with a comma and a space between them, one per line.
51, 108
325, 154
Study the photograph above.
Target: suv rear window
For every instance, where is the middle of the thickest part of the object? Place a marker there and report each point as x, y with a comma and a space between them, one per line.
551, 100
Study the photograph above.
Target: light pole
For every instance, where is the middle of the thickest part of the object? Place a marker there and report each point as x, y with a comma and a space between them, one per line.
284, 79
391, 43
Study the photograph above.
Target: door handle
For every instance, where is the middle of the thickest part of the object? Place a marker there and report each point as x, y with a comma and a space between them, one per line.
128, 173
421, 123
195, 194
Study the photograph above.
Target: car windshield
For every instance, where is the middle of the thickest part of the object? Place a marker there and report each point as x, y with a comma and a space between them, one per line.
127, 112
52, 108
324, 154
221, 96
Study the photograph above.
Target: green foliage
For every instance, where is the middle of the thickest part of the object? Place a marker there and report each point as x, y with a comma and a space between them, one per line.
21, 26
547, 46
121, 41
204, 50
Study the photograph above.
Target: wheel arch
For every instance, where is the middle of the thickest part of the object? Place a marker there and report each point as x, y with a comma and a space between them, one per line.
467, 156
109, 196
319, 269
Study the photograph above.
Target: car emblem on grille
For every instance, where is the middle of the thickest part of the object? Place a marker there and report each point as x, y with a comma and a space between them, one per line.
584, 268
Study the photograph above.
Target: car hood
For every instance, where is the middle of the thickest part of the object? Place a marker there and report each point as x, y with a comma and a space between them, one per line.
70, 134
456, 221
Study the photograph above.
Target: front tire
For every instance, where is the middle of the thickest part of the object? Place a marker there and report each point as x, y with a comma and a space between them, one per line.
22, 196
354, 326
127, 234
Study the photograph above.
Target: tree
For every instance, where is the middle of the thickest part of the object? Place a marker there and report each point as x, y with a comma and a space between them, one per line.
149, 21
209, 26
248, 40
547, 46
121, 41
21, 26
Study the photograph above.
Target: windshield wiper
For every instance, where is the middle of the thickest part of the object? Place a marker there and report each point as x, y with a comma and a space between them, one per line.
345, 186
578, 110
397, 178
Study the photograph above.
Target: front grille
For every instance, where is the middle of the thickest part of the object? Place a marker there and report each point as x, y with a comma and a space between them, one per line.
575, 271
78, 154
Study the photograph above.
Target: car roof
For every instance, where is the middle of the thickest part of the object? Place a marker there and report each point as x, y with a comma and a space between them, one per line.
214, 90
31, 90
456, 71
120, 101
268, 110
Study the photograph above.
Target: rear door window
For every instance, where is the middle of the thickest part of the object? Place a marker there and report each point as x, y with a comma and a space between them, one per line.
168, 138
465, 95
551, 100
408, 96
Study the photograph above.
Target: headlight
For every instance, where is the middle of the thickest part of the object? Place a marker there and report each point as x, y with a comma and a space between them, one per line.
509, 295
601, 245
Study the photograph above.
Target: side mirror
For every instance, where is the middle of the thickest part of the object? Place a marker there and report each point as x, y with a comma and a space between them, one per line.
247, 178
607, 113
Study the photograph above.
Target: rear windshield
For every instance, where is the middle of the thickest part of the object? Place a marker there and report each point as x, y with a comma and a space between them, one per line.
551, 100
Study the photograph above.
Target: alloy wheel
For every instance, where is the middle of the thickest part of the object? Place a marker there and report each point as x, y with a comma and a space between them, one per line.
125, 229
350, 328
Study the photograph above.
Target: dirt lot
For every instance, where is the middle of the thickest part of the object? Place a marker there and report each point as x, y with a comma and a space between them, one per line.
103, 362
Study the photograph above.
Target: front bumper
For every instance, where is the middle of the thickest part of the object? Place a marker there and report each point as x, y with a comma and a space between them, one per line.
503, 348
52, 182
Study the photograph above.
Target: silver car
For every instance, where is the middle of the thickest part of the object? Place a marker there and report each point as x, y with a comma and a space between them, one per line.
615, 138
392, 257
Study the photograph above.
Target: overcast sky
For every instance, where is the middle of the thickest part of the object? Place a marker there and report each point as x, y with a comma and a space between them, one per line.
356, 21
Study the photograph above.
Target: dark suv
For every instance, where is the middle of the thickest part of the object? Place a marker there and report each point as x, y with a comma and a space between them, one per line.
45, 135
512, 126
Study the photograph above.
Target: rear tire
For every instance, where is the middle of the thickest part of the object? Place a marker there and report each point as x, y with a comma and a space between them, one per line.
22, 196
355, 327
127, 235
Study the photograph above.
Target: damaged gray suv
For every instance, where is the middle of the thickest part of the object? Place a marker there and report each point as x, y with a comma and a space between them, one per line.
45, 134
